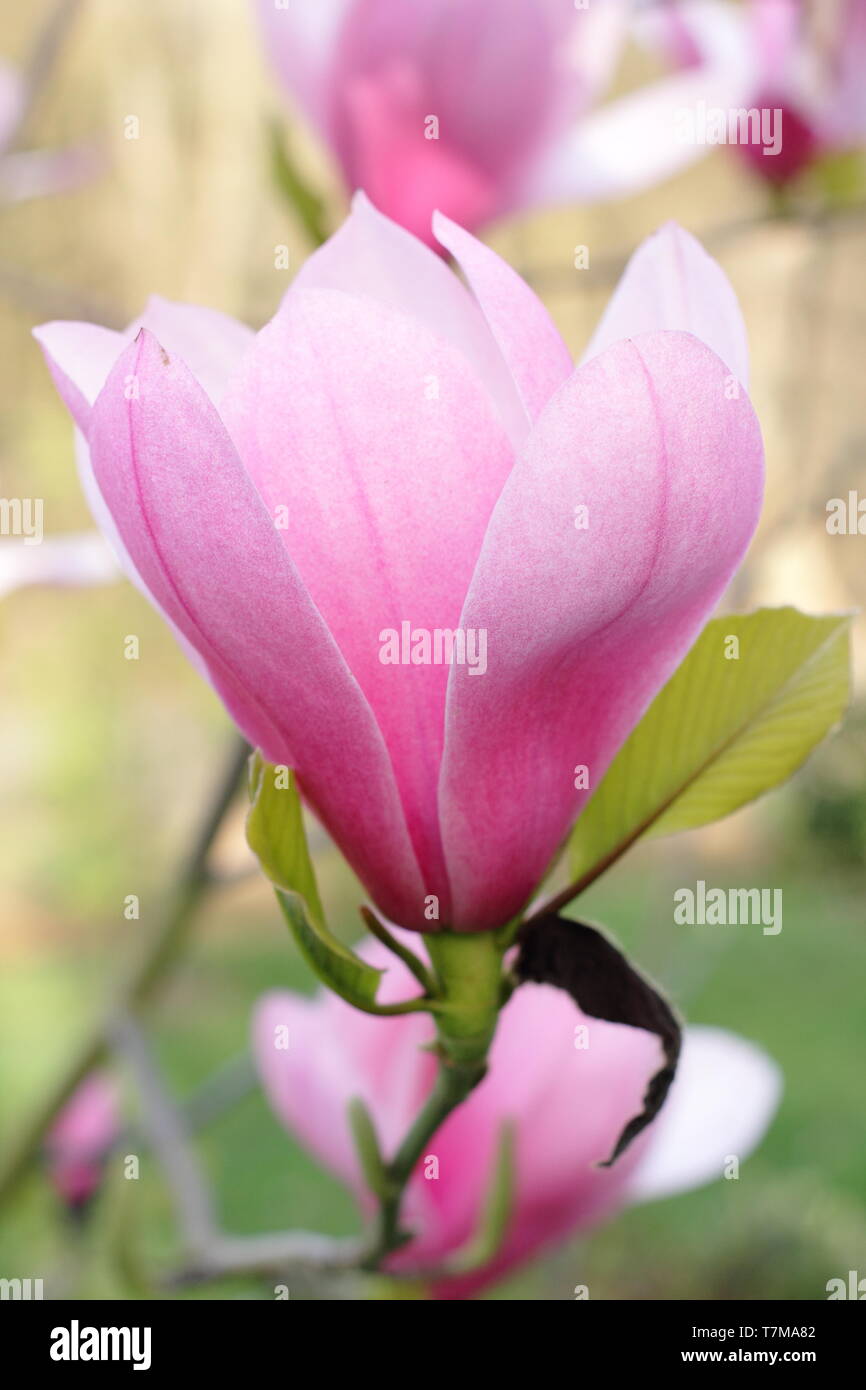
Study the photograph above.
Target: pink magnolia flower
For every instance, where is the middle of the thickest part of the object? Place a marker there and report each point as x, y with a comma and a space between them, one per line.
81, 1137
477, 107
396, 459
805, 60
568, 1084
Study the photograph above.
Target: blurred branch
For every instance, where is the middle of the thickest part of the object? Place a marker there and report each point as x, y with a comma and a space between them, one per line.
210, 1253
606, 270
45, 297
33, 174
271, 1254
214, 1255
221, 1091
44, 55
138, 983
166, 1134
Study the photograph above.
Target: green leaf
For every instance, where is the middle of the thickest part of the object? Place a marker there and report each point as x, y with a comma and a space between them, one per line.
722, 732
368, 1150
498, 1209
305, 203
336, 966
842, 177
276, 835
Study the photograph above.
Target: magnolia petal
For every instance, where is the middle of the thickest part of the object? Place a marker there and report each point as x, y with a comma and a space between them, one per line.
384, 461
712, 34
79, 358
211, 343
299, 39
334, 1054
585, 622
407, 176
536, 356
207, 550
634, 142
671, 282
493, 100
307, 1083
593, 43
373, 256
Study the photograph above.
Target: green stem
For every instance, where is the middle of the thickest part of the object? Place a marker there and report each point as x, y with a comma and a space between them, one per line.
409, 959
453, 1084
468, 970
140, 980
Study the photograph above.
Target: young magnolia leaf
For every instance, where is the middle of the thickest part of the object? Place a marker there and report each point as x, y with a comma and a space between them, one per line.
336, 966
755, 694
368, 1149
579, 959
276, 835
378, 929
496, 1214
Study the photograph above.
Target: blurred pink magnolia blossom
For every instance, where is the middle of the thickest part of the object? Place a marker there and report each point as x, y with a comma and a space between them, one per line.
568, 1084
478, 107
802, 58
397, 456
81, 1138
79, 558
35, 173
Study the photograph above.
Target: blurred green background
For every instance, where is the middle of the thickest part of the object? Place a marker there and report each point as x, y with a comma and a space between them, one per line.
106, 762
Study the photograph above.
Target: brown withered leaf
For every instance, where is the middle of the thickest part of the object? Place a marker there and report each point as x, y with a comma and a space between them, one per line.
581, 960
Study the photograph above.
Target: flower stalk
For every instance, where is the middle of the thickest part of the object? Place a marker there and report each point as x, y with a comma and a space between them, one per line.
469, 986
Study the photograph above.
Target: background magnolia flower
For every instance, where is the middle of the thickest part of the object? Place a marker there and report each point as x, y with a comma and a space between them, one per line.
81, 1137
34, 173
79, 558
511, 85
568, 1105
392, 448
805, 59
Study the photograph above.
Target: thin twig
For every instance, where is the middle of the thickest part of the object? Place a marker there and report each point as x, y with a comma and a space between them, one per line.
606, 270
272, 1254
39, 295
142, 976
407, 956
43, 58
165, 1131
208, 1250
221, 1091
